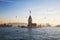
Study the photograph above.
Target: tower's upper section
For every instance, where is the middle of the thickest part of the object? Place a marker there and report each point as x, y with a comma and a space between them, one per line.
30, 14
30, 17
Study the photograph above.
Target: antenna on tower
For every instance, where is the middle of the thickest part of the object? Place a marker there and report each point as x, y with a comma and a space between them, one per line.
16, 17
30, 12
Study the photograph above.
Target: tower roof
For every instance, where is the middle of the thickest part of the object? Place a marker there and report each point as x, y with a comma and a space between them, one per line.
30, 17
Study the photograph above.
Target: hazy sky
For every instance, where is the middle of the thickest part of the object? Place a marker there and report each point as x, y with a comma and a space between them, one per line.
42, 11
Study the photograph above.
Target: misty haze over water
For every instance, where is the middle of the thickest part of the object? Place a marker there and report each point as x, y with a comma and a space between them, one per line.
17, 33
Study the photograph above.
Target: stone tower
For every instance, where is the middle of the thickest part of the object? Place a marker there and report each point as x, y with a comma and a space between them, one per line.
30, 20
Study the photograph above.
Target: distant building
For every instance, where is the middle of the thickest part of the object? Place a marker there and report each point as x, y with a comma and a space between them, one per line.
5, 25
48, 25
34, 24
57, 26
39, 25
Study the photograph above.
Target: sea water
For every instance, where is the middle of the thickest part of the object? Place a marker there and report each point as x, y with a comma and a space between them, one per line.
17, 33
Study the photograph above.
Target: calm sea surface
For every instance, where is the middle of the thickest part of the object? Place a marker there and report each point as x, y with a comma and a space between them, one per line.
17, 33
